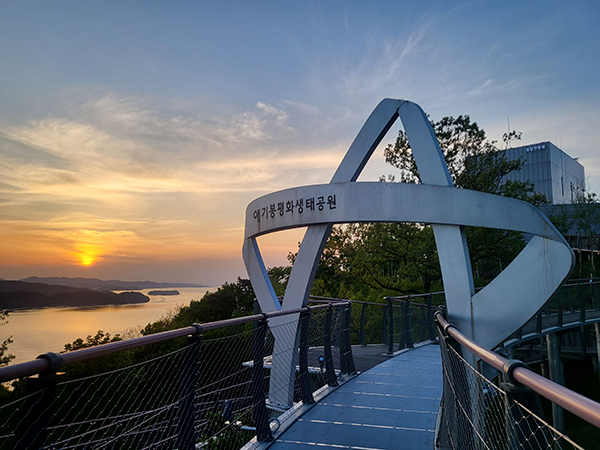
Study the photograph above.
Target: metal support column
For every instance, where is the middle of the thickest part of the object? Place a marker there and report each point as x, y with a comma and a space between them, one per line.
31, 430
556, 375
523, 430
329, 367
430, 326
407, 324
188, 380
346, 357
390, 330
363, 314
259, 407
305, 386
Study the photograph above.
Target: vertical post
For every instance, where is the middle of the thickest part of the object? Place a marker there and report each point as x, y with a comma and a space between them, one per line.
458, 399
430, 318
520, 423
31, 430
384, 325
259, 407
582, 305
559, 319
305, 387
556, 375
363, 314
597, 333
329, 367
390, 330
188, 379
346, 357
423, 336
407, 316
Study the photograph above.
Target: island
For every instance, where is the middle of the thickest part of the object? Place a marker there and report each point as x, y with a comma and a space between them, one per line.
172, 292
22, 295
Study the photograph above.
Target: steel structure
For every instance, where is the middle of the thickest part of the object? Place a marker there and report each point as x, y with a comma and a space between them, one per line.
488, 316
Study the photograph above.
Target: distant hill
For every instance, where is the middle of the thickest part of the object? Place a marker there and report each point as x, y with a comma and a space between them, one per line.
111, 285
23, 295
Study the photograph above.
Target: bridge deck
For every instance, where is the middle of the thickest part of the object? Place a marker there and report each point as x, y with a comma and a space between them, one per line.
392, 406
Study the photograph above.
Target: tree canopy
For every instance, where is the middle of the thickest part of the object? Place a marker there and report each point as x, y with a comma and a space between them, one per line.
377, 259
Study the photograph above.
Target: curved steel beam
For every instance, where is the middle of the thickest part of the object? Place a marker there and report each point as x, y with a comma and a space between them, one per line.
488, 316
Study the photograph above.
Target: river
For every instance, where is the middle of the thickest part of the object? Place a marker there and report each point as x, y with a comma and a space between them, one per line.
37, 331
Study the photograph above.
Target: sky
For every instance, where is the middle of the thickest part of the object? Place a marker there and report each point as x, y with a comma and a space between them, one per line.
134, 134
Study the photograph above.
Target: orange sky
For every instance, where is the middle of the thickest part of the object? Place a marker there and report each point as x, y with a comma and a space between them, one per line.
132, 139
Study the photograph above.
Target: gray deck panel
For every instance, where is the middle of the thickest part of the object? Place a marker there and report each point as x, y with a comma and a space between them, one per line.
390, 417
391, 406
389, 401
352, 436
402, 380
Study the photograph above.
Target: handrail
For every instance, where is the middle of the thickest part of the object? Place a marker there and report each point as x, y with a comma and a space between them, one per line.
53, 361
577, 404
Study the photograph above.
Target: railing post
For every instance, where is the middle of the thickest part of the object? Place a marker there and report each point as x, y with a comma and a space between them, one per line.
390, 329
457, 401
559, 318
582, 305
423, 332
259, 407
346, 357
384, 325
407, 325
329, 367
430, 326
305, 387
363, 314
188, 380
31, 430
522, 428
556, 375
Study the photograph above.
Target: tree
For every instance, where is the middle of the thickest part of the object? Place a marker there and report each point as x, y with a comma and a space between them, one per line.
473, 161
401, 258
5, 357
586, 218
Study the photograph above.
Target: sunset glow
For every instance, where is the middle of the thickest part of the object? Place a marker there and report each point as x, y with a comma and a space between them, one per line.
87, 259
132, 140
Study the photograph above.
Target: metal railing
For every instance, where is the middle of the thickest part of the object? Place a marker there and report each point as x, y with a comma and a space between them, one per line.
520, 386
208, 390
398, 322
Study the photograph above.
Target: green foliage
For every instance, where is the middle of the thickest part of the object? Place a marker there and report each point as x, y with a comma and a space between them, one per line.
5, 357
370, 261
91, 341
586, 216
473, 161
230, 300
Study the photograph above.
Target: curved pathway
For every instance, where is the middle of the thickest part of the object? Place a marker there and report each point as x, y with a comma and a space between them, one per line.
394, 405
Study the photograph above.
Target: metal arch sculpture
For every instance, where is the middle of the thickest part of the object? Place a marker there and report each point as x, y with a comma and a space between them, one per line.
488, 316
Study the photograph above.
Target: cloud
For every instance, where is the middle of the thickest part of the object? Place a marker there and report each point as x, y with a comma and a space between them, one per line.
118, 179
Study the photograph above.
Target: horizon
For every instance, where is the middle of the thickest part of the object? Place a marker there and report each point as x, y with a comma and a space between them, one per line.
133, 135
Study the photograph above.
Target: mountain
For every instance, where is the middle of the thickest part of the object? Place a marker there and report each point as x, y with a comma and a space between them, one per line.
111, 285
23, 295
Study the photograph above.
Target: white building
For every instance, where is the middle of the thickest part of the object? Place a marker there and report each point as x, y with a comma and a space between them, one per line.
551, 171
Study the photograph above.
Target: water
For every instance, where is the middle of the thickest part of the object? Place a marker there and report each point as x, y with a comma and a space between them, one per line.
38, 331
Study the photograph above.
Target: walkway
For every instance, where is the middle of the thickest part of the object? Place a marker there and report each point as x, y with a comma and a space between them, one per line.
392, 406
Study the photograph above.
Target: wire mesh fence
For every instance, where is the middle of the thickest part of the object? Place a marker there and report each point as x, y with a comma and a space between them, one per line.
477, 414
203, 392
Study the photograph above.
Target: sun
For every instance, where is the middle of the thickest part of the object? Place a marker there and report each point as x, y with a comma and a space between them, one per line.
87, 254
86, 259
